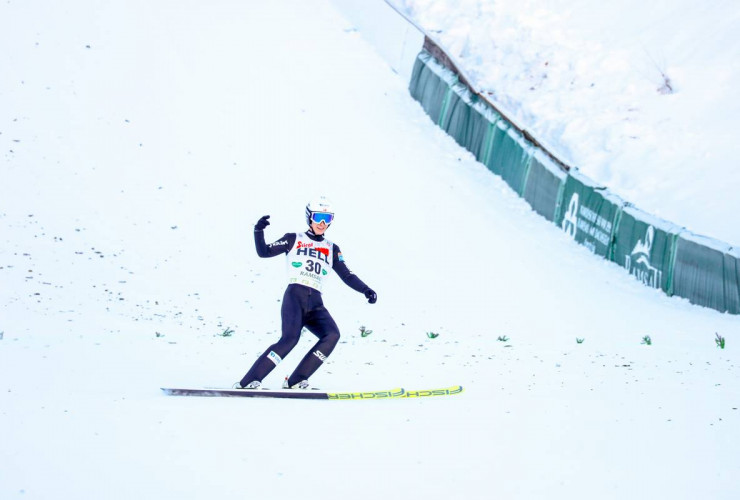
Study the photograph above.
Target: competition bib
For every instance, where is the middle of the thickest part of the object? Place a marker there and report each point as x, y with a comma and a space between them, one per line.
309, 261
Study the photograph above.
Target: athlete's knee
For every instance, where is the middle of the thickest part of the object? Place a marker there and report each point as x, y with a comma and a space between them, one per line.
333, 337
329, 342
285, 345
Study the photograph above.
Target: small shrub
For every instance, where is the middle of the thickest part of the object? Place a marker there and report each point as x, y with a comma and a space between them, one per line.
226, 333
720, 340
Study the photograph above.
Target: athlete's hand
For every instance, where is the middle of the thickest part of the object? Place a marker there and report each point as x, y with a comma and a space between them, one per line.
262, 223
371, 296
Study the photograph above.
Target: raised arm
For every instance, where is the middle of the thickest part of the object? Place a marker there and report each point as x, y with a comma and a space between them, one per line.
281, 246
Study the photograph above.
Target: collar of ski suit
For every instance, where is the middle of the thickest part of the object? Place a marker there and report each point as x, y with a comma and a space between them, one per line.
313, 236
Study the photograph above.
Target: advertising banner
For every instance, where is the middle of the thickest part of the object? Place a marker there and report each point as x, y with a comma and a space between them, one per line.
645, 246
589, 213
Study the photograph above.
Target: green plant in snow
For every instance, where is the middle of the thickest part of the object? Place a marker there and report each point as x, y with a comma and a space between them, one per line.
227, 333
720, 340
580, 341
647, 340
432, 335
503, 338
364, 332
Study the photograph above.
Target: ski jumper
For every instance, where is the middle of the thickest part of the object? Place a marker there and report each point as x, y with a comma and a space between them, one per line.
310, 260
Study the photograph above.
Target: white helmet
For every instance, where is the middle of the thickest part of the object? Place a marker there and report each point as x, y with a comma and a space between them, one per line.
319, 210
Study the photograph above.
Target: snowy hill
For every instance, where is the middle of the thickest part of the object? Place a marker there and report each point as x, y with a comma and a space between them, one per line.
140, 144
639, 96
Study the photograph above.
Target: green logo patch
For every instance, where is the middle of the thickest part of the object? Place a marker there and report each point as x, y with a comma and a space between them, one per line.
297, 264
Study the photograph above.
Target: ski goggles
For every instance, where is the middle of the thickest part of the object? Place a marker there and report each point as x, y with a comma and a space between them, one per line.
319, 217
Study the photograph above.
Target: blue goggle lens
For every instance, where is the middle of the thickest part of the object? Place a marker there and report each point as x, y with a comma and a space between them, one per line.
319, 217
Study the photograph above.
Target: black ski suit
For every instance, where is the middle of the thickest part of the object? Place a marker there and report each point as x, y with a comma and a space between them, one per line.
302, 305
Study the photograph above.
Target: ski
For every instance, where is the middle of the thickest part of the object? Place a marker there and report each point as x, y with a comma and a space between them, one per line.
448, 391
310, 394
397, 393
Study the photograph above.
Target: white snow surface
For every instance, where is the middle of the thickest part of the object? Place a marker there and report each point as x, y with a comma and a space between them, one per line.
640, 96
141, 141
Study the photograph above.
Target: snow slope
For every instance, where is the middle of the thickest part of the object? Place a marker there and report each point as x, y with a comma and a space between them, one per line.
141, 141
640, 96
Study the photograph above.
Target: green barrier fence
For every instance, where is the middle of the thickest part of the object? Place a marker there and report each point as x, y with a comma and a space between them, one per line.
456, 120
510, 155
483, 121
463, 117
589, 213
657, 252
706, 273
732, 280
430, 85
646, 246
544, 185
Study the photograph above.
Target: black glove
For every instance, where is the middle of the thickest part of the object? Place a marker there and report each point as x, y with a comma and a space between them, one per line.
262, 223
371, 296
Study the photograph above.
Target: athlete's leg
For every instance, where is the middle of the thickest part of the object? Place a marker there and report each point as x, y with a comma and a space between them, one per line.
320, 323
291, 313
